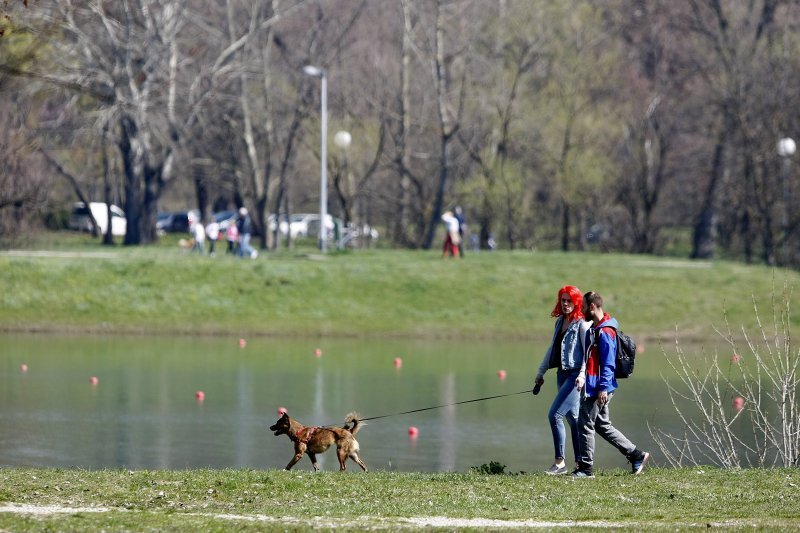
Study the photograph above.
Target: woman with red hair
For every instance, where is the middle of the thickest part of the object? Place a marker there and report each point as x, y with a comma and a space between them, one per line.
565, 354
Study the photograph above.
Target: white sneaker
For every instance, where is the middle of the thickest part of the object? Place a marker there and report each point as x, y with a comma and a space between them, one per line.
253, 254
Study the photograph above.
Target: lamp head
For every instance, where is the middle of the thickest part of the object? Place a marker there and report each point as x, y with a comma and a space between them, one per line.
342, 139
786, 147
311, 70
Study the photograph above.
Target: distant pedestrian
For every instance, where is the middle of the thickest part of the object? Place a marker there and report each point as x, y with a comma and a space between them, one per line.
232, 236
198, 235
462, 228
244, 224
598, 383
212, 232
451, 239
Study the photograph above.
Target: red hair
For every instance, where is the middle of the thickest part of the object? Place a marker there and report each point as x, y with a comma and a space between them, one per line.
576, 296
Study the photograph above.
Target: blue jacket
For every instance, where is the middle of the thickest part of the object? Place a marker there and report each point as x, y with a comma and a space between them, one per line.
601, 358
571, 348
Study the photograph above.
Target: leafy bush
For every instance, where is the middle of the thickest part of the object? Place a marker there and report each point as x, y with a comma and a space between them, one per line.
493, 468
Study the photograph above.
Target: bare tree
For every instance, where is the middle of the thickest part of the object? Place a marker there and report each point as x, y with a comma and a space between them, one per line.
741, 410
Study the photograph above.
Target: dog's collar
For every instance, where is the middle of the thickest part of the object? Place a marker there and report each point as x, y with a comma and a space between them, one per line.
304, 435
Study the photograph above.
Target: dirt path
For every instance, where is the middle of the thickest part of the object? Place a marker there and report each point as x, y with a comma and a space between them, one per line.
325, 522
59, 255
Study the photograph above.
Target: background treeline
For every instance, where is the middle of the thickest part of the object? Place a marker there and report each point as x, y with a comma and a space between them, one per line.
635, 125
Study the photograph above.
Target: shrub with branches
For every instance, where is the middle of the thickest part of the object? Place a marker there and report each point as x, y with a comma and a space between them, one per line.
740, 410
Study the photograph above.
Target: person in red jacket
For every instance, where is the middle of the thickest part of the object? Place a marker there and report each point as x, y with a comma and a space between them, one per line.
598, 384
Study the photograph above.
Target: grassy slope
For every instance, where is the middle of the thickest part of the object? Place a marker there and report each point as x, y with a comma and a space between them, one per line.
186, 500
380, 293
401, 293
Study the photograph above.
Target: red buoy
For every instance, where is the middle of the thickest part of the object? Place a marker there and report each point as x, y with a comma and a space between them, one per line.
281, 411
501, 374
318, 352
413, 432
23, 367
398, 362
199, 396
738, 403
93, 380
242, 343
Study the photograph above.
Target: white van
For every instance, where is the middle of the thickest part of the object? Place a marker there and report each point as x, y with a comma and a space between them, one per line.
81, 221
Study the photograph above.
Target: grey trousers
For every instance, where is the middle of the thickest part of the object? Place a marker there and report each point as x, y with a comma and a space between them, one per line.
595, 419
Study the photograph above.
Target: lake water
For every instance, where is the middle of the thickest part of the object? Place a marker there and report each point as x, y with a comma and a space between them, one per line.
143, 413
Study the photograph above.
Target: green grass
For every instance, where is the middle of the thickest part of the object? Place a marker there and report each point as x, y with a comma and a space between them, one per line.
162, 289
408, 294
256, 500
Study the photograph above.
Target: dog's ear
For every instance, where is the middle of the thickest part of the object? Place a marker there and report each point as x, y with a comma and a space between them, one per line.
285, 415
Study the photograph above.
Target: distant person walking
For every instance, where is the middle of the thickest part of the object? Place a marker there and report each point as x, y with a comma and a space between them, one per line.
198, 235
451, 239
232, 236
565, 354
462, 228
244, 225
212, 232
597, 381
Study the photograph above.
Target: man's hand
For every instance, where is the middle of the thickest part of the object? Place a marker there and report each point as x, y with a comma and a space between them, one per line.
602, 398
579, 381
538, 384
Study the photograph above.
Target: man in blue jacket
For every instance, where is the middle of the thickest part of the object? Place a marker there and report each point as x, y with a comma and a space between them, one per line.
598, 384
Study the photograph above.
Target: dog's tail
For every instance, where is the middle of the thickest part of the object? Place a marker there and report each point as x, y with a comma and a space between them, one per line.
357, 424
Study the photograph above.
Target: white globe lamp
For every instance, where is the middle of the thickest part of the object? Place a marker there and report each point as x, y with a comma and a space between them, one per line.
786, 147
342, 139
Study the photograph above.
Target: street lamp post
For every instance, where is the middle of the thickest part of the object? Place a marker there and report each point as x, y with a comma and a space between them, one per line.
786, 149
320, 73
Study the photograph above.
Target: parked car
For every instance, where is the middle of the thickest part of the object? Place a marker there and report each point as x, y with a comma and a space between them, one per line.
176, 221
302, 225
224, 219
80, 219
311, 225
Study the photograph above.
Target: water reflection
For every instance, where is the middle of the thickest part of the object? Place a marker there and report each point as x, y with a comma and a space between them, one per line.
143, 412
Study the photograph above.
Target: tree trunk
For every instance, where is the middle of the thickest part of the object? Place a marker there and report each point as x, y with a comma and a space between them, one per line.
704, 236
446, 131
108, 237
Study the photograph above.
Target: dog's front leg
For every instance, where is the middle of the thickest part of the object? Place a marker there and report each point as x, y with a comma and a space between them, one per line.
314, 463
299, 450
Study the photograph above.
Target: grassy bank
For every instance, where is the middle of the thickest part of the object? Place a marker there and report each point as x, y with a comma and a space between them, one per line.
78, 500
86, 287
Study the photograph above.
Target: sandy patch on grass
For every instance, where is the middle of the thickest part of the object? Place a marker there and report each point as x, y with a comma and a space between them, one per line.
47, 510
327, 522
370, 522
59, 255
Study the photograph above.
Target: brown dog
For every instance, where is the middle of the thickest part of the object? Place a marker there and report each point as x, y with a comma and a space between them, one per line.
314, 440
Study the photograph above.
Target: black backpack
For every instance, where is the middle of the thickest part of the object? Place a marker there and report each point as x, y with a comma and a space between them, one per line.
625, 356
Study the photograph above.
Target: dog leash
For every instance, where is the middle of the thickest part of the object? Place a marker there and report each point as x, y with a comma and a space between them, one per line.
434, 407
446, 405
